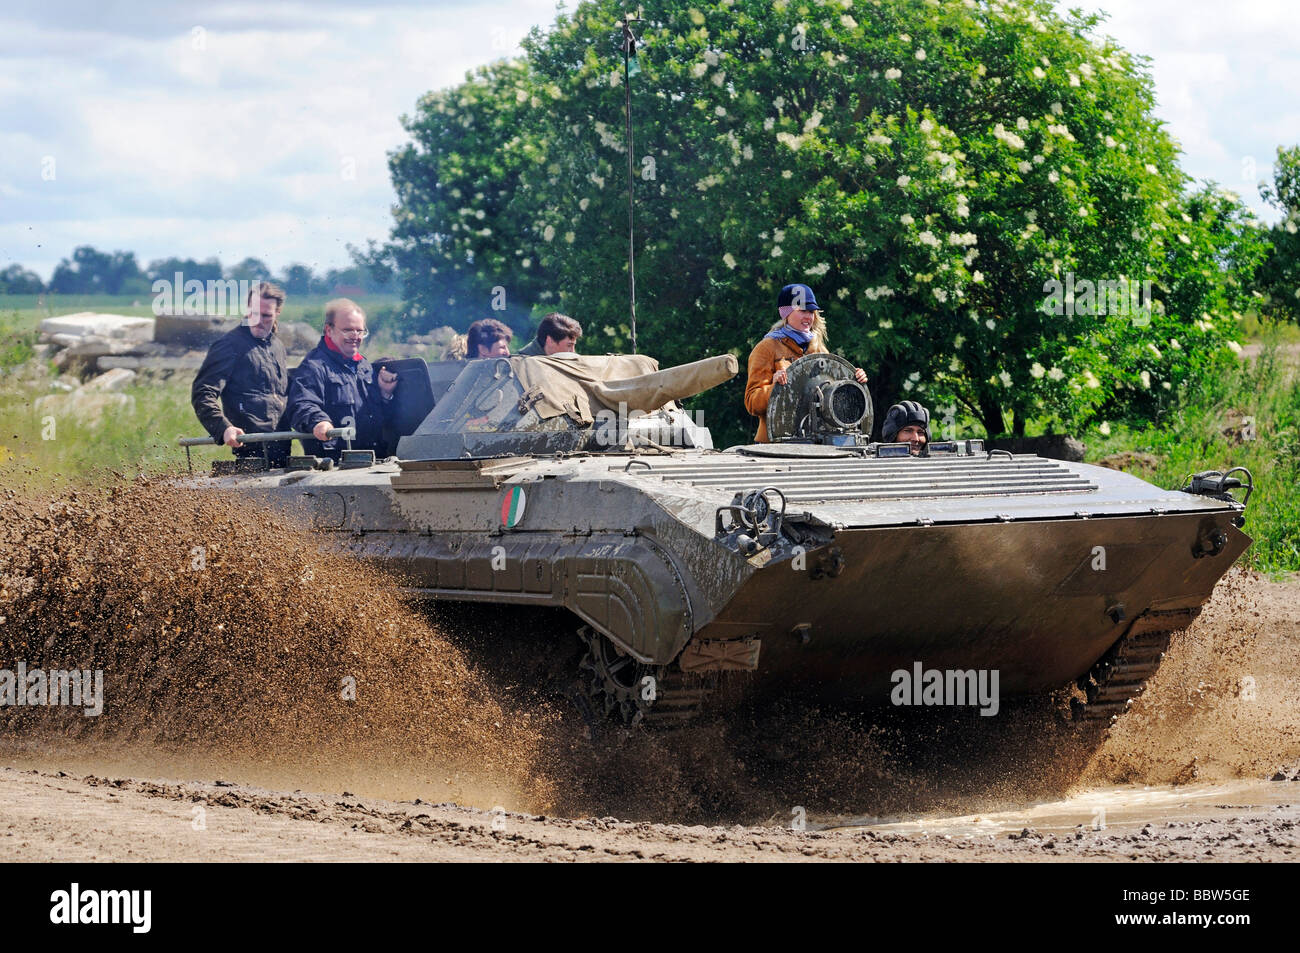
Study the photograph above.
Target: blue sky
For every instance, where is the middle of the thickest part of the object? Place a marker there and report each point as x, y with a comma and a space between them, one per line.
241, 128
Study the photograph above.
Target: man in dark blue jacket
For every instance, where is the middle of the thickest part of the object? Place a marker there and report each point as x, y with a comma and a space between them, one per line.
243, 384
335, 386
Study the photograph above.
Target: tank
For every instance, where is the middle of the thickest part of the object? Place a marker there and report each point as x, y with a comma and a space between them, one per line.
820, 563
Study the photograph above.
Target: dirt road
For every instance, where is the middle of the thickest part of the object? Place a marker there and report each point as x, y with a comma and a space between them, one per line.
46, 817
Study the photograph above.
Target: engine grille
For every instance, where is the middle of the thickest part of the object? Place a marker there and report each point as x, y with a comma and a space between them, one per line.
809, 481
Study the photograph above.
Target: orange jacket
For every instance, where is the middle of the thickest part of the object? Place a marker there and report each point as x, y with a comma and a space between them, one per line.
769, 356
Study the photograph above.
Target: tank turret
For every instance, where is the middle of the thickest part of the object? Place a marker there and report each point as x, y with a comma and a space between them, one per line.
512, 406
820, 403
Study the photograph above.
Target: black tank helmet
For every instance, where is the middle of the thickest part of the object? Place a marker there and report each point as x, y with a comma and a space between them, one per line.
904, 415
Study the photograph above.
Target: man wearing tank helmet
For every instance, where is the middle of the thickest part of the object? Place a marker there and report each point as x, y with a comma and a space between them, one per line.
907, 422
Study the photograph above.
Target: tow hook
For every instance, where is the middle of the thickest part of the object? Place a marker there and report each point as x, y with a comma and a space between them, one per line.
751, 522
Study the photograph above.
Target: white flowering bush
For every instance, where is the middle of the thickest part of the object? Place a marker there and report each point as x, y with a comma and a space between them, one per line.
927, 167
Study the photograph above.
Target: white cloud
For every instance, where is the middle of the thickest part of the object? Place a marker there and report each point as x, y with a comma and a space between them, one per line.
237, 148
266, 133
1224, 81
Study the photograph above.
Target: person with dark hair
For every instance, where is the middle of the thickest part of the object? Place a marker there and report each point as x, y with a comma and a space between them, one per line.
556, 334
801, 330
488, 338
335, 386
907, 422
243, 385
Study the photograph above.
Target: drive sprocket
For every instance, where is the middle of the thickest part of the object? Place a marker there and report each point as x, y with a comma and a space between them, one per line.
634, 692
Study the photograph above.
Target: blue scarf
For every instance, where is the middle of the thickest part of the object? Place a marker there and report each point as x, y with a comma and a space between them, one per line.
802, 338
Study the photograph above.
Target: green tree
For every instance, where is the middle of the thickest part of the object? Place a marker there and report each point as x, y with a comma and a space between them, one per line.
355, 276
17, 280
250, 269
929, 168
380, 274
1204, 267
1279, 275
298, 279
165, 269
91, 271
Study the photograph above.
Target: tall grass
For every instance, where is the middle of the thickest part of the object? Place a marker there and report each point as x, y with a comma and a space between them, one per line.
17, 342
1200, 435
125, 443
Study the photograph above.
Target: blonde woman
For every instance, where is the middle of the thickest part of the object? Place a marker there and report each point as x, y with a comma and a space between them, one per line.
800, 331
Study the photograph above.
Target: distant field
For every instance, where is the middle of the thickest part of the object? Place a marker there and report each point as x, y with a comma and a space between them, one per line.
27, 311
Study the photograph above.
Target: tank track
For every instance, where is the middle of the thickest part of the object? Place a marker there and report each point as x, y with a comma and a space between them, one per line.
616, 687
1120, 675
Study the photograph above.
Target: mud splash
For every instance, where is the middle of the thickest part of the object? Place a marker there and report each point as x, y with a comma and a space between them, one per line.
1225, 703
794, 761
223, 630
1225, 706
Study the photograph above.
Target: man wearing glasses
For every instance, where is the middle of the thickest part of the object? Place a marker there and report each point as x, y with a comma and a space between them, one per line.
335, 386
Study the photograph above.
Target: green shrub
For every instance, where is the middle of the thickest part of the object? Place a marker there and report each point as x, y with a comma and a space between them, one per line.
1202, 434
17, 342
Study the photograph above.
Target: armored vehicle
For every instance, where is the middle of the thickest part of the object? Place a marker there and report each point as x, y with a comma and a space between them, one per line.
821, 562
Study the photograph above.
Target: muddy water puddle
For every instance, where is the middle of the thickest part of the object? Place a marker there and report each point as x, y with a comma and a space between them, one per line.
1119, 808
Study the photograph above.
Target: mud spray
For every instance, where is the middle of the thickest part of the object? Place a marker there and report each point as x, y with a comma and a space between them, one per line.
233, 647
228, 640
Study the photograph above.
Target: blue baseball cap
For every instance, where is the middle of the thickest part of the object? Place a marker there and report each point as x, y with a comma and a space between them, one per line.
798, 296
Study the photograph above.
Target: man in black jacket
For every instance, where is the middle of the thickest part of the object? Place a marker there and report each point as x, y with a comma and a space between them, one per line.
243, 385
335, 386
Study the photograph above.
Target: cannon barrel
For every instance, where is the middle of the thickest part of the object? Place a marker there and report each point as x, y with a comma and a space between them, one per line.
652, 391
522, 405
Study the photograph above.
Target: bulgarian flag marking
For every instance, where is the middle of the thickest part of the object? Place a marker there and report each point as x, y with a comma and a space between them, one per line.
512, 507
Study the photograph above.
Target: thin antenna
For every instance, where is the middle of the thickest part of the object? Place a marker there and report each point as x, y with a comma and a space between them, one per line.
630, 69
